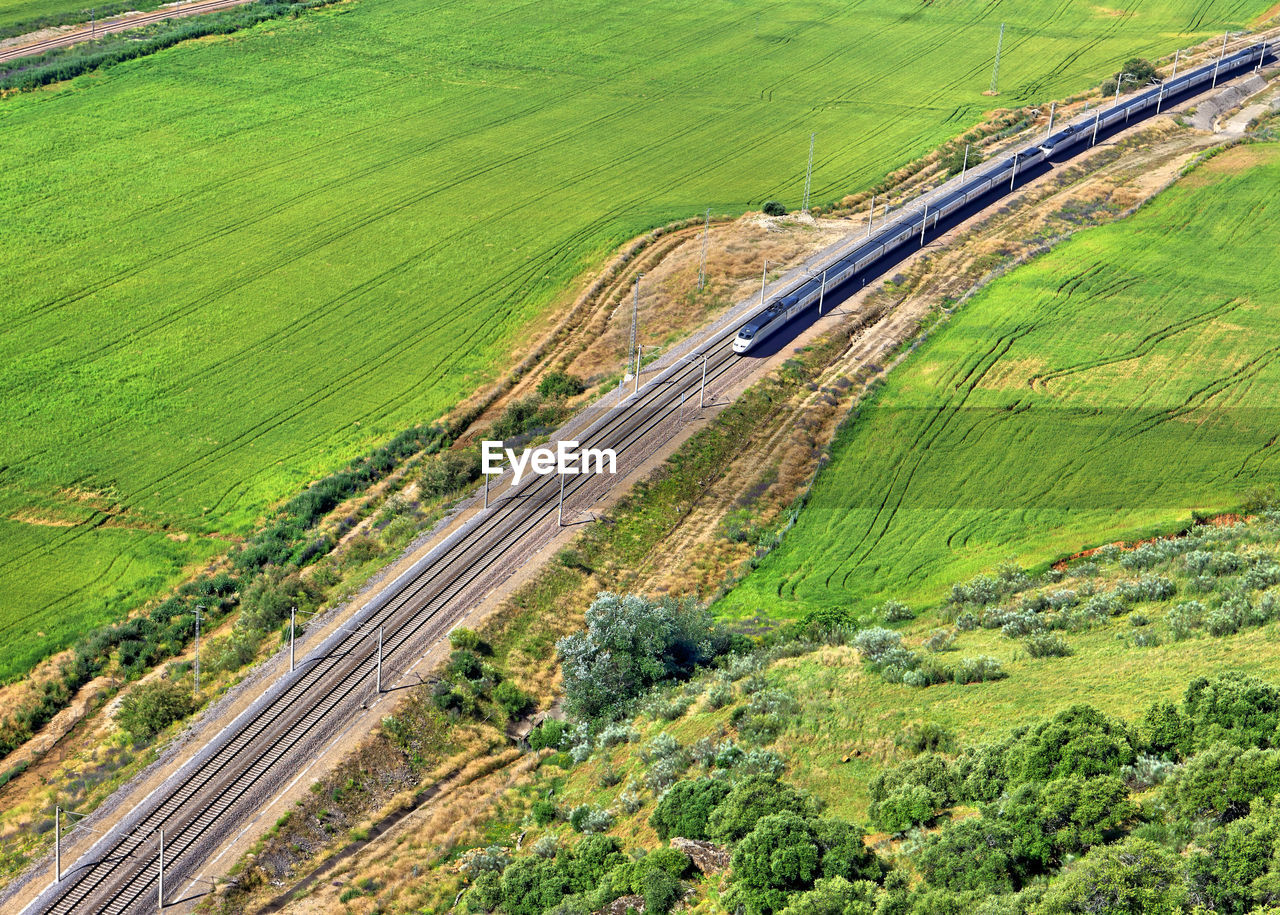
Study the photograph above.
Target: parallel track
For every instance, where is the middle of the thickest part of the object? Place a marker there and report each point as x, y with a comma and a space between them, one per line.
239, 770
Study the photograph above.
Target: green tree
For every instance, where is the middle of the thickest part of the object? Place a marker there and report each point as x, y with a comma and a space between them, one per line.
777, 858
753, 798
1134, 877
1066, 816
1077, 741
686, 808
1234, 708
1234, 866
630, 644
835, 896
1220, 782
973, 855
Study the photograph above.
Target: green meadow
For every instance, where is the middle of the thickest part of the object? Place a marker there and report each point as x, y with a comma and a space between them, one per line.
233, 265
1109, 388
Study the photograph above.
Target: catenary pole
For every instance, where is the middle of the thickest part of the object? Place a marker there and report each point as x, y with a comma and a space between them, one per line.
1218, 62
995, 73
160, 885
377, 683
871, 214
965, 168
560, 510
293, 629
822, 291
808, 175
702, 391
57, 844
1053, 109
199, 608
702, 264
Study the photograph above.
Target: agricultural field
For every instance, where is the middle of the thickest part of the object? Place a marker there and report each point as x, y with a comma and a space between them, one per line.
233, 265
1110, 388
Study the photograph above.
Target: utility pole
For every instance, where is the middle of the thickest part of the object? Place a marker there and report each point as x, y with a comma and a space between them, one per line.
635, 319
1053, 109
1218, 62
199, 607
995, 73
293, 628
93, 23
808, 175
702, 391
160, 886
702, 264
560, 510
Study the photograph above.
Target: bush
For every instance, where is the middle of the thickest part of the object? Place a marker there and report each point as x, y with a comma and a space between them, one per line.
974, 855
548, 735
630, 645
1236, 708
940, 640
1134, 877
685, 809
1046, 645
560, 384
512, 700
585, 818
928, 737
151, 707
773, 208
893, 611
977, 670
660, 890
544, 812
751, 799
875, 644
955, 161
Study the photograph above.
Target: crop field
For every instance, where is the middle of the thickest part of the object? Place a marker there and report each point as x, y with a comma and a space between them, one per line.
235, 264
1108, 388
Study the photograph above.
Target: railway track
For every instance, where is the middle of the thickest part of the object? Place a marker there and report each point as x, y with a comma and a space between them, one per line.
247, 763
114, 27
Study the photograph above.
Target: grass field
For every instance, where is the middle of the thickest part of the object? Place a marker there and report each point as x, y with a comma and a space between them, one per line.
234, 264
1112, 386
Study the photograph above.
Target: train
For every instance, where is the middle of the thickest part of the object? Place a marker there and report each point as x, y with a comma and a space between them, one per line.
914, 225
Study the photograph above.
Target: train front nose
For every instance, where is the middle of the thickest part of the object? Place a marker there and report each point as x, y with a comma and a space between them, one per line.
740, 345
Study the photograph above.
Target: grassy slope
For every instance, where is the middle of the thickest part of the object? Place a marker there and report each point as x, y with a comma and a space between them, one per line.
1111, 386
232, 265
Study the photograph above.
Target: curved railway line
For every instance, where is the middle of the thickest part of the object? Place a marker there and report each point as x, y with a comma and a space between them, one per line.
244, 766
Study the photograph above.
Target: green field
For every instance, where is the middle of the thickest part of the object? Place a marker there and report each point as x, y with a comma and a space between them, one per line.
237, 263
1110, 387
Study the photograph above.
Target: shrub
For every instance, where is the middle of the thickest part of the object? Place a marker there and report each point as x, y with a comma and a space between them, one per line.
544, 812
685, 809
875, 643
719, 695
751, 799
892, 611
1046, 645
630, 645
1079, 740
511, 699
151, 707
548, 735
974, 855
940, 640
773, 208
585, 818
977, 670
1134, 877
1236, 708
928, 737
1185, 618
560, 384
